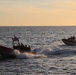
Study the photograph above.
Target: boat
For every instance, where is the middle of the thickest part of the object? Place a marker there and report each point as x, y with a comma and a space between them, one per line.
20, 46
70, 41
6, 52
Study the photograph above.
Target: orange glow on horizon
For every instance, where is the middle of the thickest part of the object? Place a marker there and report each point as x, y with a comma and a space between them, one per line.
41, 13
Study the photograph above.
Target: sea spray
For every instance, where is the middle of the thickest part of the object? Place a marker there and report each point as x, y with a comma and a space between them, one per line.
32, 55
43, 50
25, 55
56, 50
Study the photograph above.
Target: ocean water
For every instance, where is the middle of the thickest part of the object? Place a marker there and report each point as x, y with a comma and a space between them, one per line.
53, 56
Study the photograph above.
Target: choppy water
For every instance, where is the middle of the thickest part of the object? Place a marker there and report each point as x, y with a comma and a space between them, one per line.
52, 58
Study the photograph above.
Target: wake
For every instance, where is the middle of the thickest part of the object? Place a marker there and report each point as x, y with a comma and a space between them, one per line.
57, 49
25, 55
53, 50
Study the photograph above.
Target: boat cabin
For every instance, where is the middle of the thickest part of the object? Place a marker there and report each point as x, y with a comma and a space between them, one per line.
20, 46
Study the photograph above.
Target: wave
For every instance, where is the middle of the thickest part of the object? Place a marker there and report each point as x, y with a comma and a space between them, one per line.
53, 50
26, 55
57, 49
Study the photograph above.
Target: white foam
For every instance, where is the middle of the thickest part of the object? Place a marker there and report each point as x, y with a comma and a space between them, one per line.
43, 50
27, 55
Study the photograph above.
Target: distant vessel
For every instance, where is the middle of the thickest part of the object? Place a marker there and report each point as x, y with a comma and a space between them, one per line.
70, 41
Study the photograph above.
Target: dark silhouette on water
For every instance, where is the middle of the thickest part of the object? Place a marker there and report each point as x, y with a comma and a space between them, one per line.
20, 46
70, 41
6, 52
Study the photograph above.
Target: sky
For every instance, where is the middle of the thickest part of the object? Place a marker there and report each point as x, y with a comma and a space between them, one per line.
37, 12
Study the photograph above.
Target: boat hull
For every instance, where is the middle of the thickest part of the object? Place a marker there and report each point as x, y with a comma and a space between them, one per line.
6, 52
69, 43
